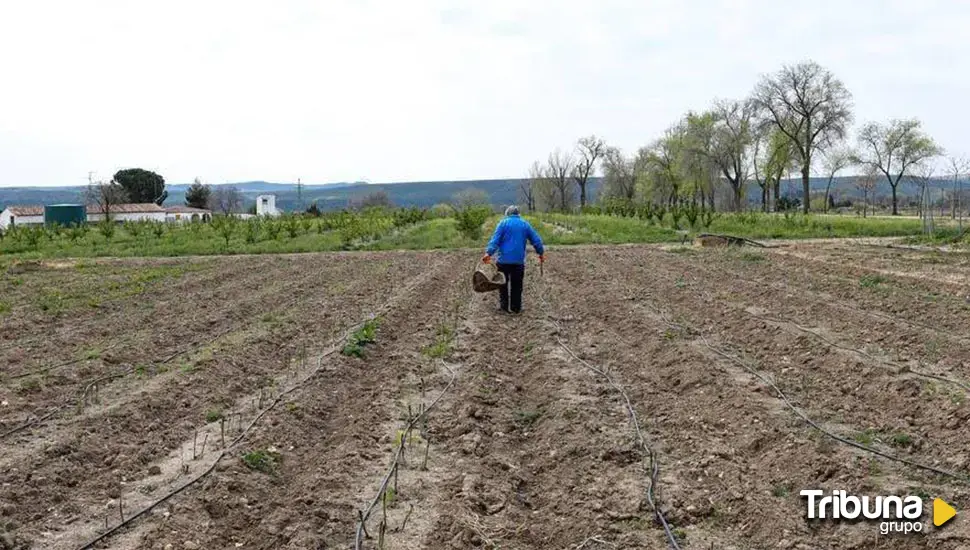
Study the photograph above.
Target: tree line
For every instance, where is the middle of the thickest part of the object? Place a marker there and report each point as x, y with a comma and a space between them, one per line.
796, 119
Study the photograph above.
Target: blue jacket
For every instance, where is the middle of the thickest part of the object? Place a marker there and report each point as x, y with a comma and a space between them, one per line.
510, 238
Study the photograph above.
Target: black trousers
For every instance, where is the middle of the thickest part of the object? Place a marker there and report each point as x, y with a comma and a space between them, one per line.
510, 295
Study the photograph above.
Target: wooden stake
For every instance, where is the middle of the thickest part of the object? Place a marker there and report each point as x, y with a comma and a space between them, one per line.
427, 447
406, 517
363, 524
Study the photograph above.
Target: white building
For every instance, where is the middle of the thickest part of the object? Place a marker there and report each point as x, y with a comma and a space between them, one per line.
266, 206
186, 214
128, 212
21, 215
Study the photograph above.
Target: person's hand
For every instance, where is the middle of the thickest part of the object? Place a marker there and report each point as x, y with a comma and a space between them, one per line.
486, 259
542, 258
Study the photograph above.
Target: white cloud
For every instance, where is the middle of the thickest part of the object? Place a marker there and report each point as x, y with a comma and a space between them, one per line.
436, 89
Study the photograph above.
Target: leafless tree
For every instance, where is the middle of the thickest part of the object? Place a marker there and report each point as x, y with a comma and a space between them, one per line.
226, 199
922, 174
470, 198
893, 149
530, 187
958, 167
103, 196
865, 183
589, 151
559, 167
836, 160
810, 106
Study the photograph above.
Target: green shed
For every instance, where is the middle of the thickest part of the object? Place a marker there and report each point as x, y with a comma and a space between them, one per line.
65, 214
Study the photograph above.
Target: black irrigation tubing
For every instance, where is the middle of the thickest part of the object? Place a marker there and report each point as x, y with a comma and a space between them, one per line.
826, 341
80, 399
333, 349
653, 463
798, 412
174, 355
223, 453
962, 385
365, 514
834, 304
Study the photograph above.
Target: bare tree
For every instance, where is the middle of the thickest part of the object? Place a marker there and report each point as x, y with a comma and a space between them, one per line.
865, 183
227, 199
810, 106
923, 176
471, 198
892, 149
560, 166
529, 188
103, 196
836, 160
589, 150
958, 166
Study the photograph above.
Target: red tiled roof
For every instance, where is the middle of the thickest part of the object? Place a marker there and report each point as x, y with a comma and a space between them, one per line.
127, 208
182, 209
26, 210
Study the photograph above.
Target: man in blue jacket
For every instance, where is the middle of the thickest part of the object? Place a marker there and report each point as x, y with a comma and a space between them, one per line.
509, 240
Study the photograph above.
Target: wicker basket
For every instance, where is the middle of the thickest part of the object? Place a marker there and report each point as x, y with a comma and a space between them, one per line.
487, 278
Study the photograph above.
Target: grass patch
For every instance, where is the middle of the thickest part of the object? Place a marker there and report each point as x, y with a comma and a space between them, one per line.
262, 460
872, 281
527, 418
781, 490
214, 415
752, 257
363, 336
867, 437
90, 354
5, 307
29, 385
901, 440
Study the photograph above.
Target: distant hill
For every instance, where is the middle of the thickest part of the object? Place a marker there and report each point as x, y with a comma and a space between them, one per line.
417, 193
328, 196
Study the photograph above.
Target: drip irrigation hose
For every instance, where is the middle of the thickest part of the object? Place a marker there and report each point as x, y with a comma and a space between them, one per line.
798, 412
335, 346
864, 353
412, 423
653, 463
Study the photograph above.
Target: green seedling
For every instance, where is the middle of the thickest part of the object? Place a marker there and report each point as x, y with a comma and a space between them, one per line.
214, 415
262, 460
872, 281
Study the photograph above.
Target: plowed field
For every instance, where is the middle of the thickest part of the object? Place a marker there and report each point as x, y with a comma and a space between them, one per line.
647, 397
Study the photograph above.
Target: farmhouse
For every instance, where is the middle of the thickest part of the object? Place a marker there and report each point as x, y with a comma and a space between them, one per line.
128, 212
21, 215
184, 214
266, 206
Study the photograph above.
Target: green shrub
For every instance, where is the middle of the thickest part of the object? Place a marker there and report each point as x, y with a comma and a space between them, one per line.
107, 229
470, 220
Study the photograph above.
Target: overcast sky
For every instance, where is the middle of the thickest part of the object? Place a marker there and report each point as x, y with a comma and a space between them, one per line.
335, 90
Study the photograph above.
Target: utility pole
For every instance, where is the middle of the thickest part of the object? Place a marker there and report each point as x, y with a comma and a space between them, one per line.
299, 193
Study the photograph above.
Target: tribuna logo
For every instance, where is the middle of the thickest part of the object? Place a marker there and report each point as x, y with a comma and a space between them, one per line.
898, 514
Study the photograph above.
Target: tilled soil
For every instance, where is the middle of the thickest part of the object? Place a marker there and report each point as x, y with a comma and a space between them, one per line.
145, 375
